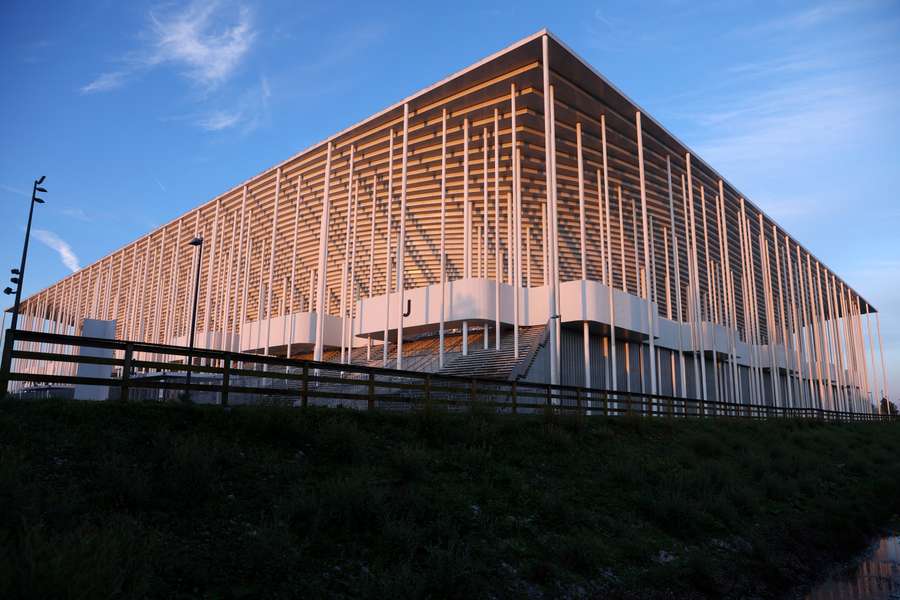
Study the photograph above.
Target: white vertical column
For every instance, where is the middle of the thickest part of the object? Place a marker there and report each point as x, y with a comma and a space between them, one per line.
346, 256
497, 269
585, 326
885, 393
352, 291
549, 164
677, 272
483, 255
291, 310
467, 228
609, 259
696, 290
387, 252
237, 317
323, 259
270, 286
517, 244
443, 251
370, 289
401, 245
647, 292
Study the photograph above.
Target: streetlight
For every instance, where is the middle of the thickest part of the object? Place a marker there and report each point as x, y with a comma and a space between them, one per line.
197, 242
19, 274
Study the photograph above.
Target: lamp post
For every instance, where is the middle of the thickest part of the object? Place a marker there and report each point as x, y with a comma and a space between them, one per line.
19, 277
19, 274
197, 242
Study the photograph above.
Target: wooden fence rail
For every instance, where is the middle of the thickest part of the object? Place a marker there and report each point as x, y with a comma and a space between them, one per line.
156, 371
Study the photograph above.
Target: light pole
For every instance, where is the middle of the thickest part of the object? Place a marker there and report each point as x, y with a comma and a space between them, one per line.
198, 243
19, 275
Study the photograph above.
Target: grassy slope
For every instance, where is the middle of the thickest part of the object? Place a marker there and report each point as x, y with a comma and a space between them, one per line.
110, 500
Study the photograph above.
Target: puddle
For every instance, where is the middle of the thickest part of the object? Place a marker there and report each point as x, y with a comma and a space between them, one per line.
876, 575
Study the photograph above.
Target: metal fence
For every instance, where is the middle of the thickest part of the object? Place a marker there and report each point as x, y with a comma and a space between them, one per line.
37, 364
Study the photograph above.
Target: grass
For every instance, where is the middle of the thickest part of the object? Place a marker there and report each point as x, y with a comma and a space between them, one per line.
147, 500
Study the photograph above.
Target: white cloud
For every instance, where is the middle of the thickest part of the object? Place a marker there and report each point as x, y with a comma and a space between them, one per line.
805, 19
105, 82
197, 39
62, 247
77, 213
219, 120
14, 190
250, 110
204, 40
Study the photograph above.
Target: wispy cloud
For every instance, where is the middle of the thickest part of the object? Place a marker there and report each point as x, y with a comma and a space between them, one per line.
105, 82
804, 19
199, 39
77, 213
347, 44
62, 247
13, 190
247, 113
204, 40
219, 120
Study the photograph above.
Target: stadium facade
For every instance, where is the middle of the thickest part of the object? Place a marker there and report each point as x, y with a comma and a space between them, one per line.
522, 219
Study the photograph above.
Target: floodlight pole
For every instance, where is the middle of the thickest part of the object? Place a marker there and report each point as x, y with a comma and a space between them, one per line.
20, 276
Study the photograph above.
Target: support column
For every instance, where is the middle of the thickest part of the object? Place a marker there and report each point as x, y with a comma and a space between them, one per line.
323, 259
549, 165
401, 245
387, 253
270, 285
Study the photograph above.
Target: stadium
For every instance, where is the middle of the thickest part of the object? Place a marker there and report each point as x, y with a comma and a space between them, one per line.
521, 219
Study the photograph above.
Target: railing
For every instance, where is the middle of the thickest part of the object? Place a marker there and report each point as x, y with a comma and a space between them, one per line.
43, 362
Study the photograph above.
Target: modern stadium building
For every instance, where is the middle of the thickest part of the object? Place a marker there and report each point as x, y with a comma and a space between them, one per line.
520, 219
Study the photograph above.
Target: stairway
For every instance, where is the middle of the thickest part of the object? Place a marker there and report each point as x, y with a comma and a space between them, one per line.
492, 363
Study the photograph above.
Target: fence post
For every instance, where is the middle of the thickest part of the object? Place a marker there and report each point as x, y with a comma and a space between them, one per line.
6, 364
226, 379
370, 403
473, 394
578, 400
304, 390
606, 404
428, 389
549, 402
126, 372
515, 401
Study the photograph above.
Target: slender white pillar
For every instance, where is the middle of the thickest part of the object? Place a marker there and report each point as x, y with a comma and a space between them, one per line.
679, 317
517, 199
550, 183
647, 295
497, 268
273, 235
609, 258
443, 251
885, 393
323, 258
352, 291
467, 228
370, 289
291, 309
401, 244
346, 256
696, 292
387, 252
483, 254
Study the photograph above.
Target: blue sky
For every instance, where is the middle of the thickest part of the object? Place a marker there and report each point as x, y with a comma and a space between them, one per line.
137, 112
